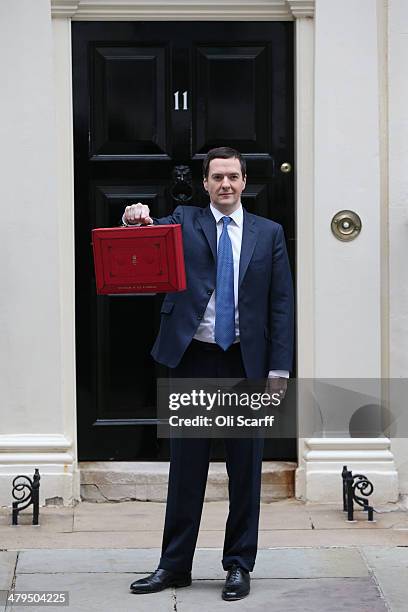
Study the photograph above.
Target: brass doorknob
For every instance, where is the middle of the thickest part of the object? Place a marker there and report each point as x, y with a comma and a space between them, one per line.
286, 167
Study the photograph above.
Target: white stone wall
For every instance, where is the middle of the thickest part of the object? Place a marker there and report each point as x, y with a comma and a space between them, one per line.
34, 430
347, 275
398, 186
398, 210
349, 316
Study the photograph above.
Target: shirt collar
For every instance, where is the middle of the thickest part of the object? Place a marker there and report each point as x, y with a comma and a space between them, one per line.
237, 216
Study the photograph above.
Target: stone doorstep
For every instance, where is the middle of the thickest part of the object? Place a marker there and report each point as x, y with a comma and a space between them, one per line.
104, 481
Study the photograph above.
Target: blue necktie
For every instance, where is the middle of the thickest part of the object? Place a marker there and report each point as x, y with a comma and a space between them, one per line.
224, 291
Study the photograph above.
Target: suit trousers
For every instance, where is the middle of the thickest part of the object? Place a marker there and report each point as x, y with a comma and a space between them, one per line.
189, 462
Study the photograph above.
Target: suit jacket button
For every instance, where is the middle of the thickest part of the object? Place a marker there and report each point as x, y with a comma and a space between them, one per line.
209, 292
199, 317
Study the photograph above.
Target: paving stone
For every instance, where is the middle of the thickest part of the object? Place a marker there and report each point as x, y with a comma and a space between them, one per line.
327, 537
120, 517
276, 563
288, 563
82, 539
87, 561
284, 519
308, 595
287, 514
56, 520
139, 516
390, 567
330, 518
96, 592
310, 563
7, 565
289, 538
386, 557
394, 586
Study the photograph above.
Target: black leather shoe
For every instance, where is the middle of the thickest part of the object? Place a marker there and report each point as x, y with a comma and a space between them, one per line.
237, 584
159, 580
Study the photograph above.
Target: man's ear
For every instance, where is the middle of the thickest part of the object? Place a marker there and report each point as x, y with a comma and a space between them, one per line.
205, 183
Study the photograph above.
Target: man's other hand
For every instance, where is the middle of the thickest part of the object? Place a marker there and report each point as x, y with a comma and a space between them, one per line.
277, 385
137, 213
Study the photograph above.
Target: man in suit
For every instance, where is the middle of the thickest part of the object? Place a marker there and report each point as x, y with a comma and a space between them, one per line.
235, 320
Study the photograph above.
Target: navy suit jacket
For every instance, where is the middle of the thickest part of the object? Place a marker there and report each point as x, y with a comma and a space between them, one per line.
265, 297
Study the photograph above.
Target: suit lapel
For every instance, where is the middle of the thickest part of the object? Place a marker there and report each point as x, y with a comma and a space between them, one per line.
207, 223
249, 237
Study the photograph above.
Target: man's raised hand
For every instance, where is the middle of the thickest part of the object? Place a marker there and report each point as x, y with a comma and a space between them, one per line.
137, 213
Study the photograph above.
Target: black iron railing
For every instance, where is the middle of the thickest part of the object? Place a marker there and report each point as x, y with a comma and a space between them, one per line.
352, 485
26, 491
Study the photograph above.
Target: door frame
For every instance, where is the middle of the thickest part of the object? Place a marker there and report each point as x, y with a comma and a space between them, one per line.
300, 11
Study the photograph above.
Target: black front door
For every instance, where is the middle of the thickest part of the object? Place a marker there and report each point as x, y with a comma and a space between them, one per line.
149, 97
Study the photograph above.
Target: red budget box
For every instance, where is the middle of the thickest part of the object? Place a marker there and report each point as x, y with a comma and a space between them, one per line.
144, 259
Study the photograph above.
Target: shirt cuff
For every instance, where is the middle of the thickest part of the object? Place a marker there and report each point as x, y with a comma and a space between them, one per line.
278, 374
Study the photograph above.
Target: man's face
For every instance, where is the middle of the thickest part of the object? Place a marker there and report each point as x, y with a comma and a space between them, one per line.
225, 183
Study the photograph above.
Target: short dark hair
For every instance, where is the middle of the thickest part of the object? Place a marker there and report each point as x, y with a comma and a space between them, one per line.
223, 153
